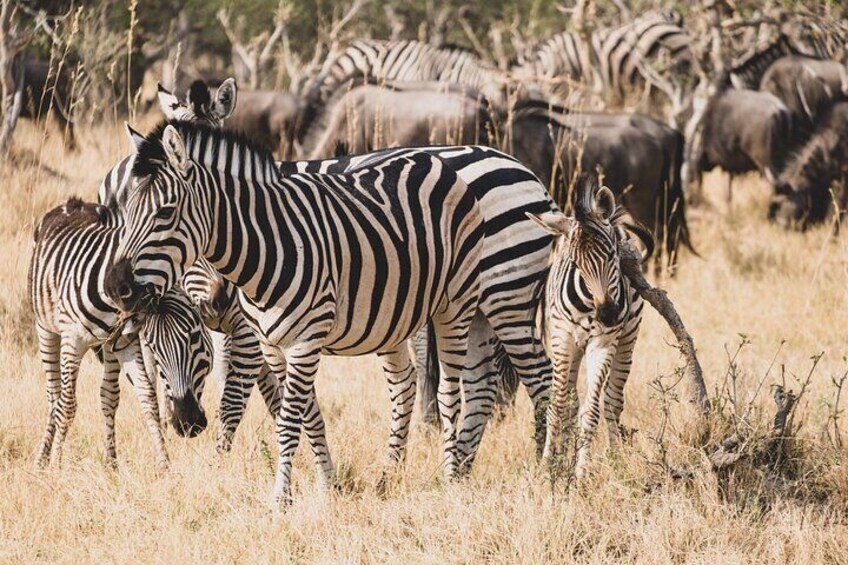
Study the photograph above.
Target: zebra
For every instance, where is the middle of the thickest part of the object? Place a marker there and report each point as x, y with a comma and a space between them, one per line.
73, 246
399, 61
334, 264
588, 308
513, 265
213, 295
619, 61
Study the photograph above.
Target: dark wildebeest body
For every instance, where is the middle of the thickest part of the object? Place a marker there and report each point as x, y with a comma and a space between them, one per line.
267, 117
807, 86
640, 158
803, 188
745, 130
45, 90
368, 116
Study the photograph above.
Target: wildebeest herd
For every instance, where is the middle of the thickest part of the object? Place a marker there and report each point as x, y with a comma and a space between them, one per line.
462, 222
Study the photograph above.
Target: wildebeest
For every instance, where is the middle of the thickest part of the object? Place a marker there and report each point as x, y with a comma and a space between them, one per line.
807, 86
742, 131
268, 117
640, 158
46, 90
371, 116
803, 188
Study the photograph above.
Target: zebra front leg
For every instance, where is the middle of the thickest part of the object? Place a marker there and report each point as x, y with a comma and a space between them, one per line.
110, 396
272, 381
619, 373
49, 345
563, 397
132, 364
400, 375
244, 365
599, 354
70, 356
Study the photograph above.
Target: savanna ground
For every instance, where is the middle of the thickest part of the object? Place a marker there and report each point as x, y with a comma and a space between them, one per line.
753, 279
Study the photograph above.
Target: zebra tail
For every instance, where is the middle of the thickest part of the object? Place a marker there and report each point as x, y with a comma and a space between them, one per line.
432, 373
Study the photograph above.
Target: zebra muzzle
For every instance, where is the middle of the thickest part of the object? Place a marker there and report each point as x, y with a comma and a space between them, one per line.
129, 295
187, 416
608, 313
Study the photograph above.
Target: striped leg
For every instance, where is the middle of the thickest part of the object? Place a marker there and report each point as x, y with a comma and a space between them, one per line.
599, 355
48, 348
110, 396
144, 386
402, 382
480, 389
70, 356
273, 380
244, 365
566, 356
620, 371
451, 326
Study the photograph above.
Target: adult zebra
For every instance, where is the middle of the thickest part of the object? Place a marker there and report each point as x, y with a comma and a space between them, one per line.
588, 307
513, 266
619, 61
312, 254
399, 61
74, 243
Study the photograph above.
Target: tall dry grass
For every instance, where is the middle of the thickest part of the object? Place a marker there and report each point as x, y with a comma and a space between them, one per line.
753, 279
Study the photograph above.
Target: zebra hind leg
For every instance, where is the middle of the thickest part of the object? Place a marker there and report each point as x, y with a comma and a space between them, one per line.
480, 389
110, 396
48, 347
400, 374
70, 356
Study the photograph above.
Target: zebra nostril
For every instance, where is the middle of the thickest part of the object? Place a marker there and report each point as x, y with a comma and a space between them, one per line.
124, 291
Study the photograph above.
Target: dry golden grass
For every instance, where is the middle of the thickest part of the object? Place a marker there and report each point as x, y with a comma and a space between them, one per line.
753, 279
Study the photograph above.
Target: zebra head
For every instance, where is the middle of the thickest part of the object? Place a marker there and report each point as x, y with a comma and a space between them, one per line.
182, 349
199, 105
166, 229
589, 241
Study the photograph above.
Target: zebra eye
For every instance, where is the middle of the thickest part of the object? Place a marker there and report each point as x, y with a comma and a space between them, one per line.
165, 213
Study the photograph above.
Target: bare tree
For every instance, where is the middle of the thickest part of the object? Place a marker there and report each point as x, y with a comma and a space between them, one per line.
13, 39
251, 57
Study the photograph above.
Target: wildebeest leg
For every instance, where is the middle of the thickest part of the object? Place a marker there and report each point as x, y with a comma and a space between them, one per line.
729, 195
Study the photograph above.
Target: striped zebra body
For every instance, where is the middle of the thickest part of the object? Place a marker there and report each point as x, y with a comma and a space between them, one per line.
619, 62
514, 262
74, 245
333, 264
588, 308
399, 61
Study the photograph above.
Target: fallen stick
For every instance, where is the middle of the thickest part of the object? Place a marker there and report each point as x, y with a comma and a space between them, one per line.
631, 266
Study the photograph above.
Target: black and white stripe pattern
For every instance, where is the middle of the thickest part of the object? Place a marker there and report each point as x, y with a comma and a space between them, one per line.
619, 62
74, 244
339, 264
588, 307
399, 61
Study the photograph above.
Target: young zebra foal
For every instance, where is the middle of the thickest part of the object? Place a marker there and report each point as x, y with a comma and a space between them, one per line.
73, 245
588, 307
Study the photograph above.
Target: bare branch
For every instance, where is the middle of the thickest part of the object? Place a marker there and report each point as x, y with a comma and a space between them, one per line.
346, 18
395, 22
631, 265
482, 52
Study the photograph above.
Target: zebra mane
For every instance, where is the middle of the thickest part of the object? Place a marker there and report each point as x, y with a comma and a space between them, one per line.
151, 157
75, 213
585, 188
199, 98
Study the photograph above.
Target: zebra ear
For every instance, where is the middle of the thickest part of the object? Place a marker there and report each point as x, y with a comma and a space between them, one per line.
136, 138
555, 223
175, 149
604, 205
168, 102
225, 99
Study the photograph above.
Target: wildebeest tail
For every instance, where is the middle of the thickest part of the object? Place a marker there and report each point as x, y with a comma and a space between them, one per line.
677, 230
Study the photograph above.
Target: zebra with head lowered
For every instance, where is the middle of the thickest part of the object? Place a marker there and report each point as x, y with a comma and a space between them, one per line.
336, 264
588, 307
513, 265
74, 244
